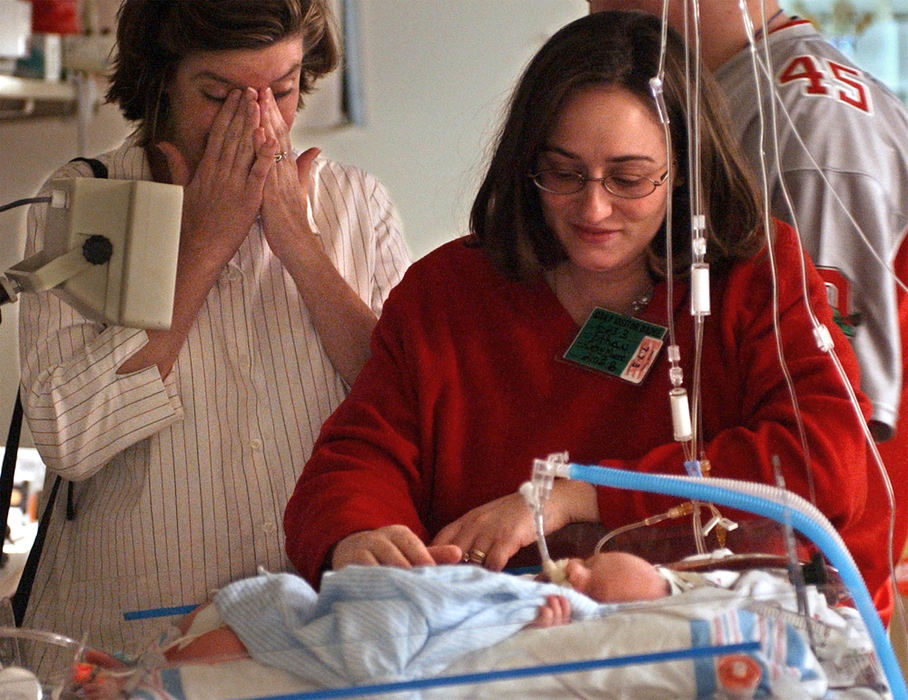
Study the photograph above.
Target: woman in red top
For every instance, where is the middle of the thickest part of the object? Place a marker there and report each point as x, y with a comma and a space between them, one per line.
469, 381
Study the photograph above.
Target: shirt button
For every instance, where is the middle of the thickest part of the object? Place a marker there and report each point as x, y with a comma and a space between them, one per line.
269, 527
255, 444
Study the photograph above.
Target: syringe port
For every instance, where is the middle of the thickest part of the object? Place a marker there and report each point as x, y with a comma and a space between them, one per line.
655, 87
699, 290
823, 338
680, 414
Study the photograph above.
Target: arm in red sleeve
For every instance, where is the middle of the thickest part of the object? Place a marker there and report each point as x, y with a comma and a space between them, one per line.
364, 472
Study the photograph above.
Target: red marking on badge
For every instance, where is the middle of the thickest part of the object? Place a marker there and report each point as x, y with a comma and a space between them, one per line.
644, 357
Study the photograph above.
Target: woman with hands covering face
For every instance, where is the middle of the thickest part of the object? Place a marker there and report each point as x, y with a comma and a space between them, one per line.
184, 444
470, 378
228, 145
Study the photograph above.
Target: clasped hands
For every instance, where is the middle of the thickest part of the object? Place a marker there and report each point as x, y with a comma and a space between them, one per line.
242, 173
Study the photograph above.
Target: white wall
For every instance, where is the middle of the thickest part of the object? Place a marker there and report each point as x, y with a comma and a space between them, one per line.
436, 76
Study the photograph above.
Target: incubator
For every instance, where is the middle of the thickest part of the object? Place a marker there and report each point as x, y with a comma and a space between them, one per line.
737, 629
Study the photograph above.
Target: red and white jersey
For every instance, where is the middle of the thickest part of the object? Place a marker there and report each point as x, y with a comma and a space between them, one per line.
856, 135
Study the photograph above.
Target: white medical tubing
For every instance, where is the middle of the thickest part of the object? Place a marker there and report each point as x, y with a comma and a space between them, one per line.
763, 67
536, 492
675, 373
527, 490
767, 230
822, 336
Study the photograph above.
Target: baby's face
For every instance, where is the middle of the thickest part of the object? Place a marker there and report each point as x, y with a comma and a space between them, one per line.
615, 577
586, 575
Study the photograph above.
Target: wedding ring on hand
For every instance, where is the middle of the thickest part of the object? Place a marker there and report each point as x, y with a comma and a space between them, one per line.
278, 157
474, 556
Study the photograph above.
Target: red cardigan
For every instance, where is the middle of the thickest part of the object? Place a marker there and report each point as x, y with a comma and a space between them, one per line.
465, 387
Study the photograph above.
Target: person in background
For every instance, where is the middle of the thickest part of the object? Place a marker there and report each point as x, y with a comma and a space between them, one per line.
473, 372
842, 153
184, 444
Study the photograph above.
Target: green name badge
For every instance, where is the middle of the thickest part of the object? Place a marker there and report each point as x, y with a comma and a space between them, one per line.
619, 345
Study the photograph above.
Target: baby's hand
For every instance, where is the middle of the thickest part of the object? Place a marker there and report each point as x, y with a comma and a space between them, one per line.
555, 611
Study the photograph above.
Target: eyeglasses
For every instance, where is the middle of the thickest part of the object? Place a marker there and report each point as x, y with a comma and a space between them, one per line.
570, 182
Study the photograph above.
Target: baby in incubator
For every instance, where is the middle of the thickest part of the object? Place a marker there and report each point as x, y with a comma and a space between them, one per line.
377, 623
606, 577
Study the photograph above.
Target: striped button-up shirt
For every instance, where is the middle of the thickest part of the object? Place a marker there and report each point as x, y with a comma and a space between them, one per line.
181, 483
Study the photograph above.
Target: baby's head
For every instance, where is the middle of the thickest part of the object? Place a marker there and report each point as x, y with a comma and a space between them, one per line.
615, 577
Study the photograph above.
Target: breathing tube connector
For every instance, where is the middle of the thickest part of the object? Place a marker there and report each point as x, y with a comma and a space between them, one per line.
536, 492
655, 88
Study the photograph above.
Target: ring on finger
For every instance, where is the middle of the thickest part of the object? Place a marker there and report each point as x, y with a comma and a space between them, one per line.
475, 556
278, 157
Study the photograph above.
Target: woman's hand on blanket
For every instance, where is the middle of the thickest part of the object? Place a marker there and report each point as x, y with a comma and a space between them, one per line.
393, 545
498, 529
555, 611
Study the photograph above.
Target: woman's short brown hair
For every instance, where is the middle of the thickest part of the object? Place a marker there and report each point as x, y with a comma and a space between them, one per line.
153, 36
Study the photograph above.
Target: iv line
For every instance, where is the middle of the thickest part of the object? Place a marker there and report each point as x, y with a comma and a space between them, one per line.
821, 333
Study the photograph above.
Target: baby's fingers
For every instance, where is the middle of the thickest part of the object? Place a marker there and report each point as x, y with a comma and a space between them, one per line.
556, 611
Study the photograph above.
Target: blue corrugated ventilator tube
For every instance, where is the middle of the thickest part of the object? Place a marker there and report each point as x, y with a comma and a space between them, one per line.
771, 502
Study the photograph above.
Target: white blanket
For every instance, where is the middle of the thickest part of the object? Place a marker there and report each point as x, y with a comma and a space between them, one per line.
376, 624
